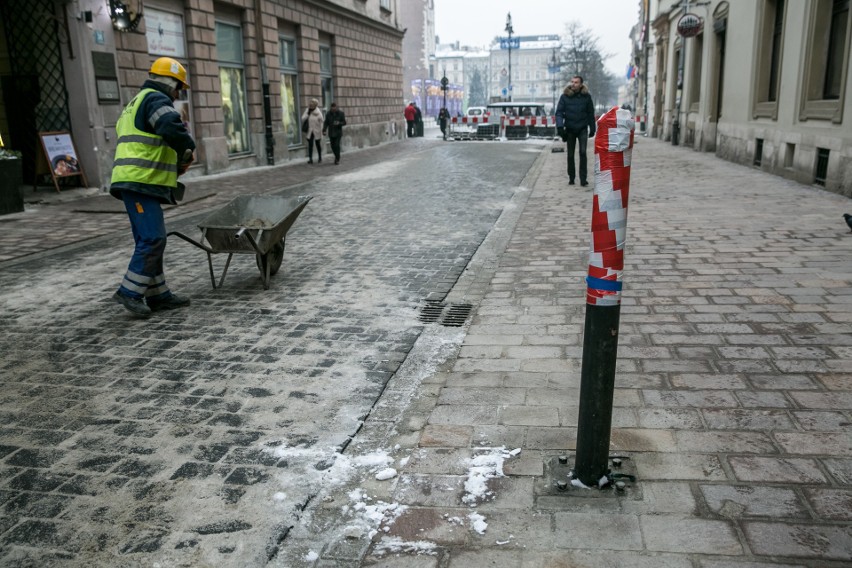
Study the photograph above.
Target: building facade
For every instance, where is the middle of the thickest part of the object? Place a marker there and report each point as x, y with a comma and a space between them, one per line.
763, 83
533, 78
417, 17
253, 67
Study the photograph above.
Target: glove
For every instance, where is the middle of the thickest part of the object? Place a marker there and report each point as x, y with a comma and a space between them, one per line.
186, 162
592, 132
560, 132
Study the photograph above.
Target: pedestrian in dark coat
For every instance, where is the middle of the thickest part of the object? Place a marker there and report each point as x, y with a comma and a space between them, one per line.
443, 119
335, 120
575, 123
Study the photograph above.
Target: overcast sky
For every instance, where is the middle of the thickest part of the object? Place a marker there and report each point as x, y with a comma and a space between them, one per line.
476, 22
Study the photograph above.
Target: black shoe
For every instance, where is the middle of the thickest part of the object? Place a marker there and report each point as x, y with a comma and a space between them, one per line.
570, 182
173, 302
310, 161
136, 306
584, 183
319, 161
336, 162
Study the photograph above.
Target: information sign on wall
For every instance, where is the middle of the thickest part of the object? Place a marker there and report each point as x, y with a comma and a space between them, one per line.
165, 33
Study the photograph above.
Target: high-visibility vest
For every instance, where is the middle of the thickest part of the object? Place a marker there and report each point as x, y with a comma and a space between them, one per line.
140, 156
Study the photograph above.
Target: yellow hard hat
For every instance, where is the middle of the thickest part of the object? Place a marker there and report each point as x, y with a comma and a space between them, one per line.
168, 67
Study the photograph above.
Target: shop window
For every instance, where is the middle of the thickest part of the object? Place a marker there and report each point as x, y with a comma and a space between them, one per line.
232, 83
290, 91
326, 77
770, 50
827, 60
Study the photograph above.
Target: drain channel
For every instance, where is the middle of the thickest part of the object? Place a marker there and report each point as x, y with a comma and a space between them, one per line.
452, 315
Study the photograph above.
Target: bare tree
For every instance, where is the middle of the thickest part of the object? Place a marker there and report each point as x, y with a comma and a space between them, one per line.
581, 55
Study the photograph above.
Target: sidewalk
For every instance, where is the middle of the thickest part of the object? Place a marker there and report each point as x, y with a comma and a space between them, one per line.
733, 395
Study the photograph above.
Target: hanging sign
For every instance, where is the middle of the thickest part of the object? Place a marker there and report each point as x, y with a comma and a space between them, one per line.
689, 25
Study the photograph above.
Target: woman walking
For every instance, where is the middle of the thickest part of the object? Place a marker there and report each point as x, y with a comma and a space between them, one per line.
312, 122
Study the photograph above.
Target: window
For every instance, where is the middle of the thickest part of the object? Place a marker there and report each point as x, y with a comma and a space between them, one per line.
326, 78
821, 169
758, 152
232, 84
289, 90
697, 56
770, 49
827, 60
385, 5
836, 42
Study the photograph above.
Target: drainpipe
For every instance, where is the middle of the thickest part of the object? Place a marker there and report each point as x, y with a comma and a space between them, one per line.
264, 83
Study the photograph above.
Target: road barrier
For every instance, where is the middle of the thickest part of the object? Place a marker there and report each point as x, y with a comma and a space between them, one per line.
473, 128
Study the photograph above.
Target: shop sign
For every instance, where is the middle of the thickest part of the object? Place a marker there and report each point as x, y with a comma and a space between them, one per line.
165, 33
689, 25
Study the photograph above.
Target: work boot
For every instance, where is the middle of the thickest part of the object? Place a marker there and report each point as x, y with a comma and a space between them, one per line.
171, 302
136, 306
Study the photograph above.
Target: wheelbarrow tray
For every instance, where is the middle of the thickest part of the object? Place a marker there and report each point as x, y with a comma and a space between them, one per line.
266, 218
250, 224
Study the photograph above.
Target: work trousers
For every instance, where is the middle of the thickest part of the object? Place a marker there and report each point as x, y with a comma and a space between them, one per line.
577, 138
145, 277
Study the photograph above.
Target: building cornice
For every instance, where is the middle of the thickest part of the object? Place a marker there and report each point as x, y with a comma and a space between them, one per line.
352, 14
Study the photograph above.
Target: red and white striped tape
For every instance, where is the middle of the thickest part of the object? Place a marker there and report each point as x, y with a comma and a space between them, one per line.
613, 155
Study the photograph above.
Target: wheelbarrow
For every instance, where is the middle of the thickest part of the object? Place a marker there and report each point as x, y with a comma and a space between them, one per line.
250, 224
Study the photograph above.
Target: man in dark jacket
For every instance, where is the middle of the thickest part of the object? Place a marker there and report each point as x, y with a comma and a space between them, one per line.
575, 123
153, 149
334, 123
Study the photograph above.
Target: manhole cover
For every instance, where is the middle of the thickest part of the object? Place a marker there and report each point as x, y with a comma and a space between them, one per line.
450, 315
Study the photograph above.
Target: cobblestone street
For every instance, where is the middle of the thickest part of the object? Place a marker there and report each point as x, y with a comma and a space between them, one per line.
322, 423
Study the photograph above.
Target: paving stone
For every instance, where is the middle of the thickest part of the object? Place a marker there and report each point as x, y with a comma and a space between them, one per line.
681, 466
776, 470
724, 442
446, 436
735, 501
799, 540
736, 419
691, 536
831, 504
816, 443
840, 469
602, 559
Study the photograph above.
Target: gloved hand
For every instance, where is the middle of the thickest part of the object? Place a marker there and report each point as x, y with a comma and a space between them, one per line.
186, 162
592, 131
560, 132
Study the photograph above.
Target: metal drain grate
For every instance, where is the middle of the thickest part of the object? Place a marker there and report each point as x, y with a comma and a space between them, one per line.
456, 315
452, 315
431, 312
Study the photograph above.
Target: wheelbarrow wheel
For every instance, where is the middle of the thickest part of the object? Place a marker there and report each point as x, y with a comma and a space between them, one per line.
274, 258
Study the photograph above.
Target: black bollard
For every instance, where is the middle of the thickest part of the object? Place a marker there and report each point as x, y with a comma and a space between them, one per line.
597, 385
613, 157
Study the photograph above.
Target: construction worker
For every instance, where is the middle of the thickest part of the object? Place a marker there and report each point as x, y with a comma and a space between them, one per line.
153, 149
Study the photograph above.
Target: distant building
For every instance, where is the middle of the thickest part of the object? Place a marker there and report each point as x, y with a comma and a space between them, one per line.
417, 17
764, 83
532, 80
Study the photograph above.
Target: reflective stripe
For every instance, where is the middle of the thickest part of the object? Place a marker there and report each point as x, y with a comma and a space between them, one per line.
159, 279
133, 287
158, 291
139, 162
149, 140
144, 280
159, 113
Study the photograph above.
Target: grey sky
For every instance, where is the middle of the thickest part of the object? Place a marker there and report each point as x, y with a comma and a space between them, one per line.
476, 22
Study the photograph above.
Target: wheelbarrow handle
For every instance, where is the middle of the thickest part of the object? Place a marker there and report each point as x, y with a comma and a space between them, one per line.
190, 241
243, 232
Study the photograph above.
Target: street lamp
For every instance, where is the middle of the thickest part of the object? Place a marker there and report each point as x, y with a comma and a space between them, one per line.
510, 31
554, 68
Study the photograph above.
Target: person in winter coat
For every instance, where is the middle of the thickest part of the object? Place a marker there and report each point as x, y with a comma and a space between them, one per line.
443, 119
335, 120
153, 149
410, 114
575, 123
315, 120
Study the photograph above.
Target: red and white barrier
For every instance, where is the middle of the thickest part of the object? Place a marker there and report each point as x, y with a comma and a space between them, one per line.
613, 155
529, 121
469, 120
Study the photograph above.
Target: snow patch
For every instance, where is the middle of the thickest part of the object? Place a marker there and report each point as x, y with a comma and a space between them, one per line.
311, 556
477, 523
385, 474
394, 544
